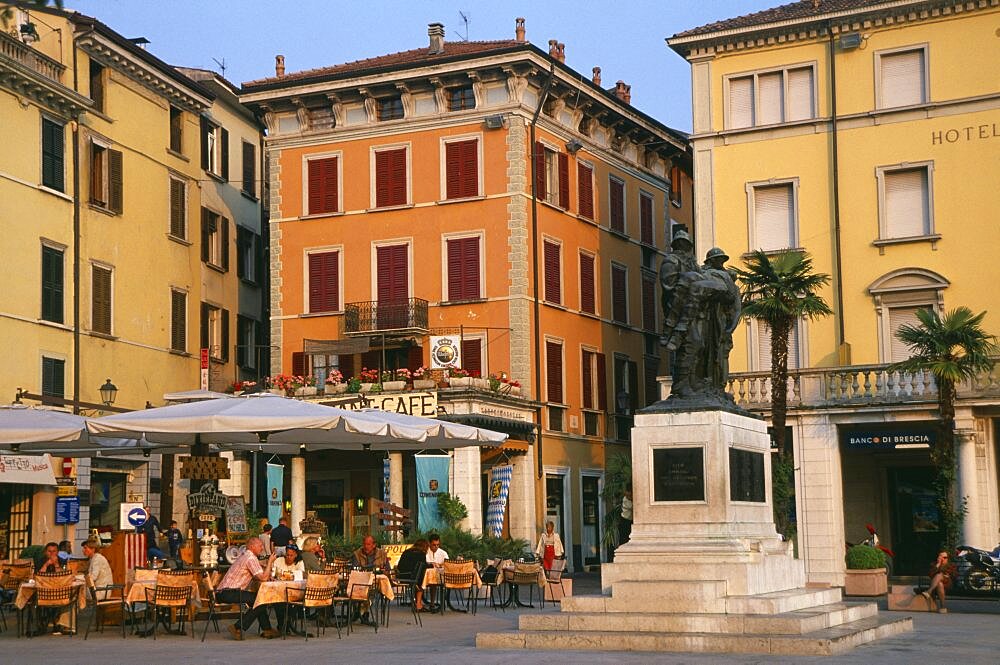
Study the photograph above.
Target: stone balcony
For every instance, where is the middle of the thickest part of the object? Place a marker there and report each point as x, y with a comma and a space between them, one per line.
13, 50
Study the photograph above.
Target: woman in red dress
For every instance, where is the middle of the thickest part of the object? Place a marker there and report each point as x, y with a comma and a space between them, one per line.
549, 546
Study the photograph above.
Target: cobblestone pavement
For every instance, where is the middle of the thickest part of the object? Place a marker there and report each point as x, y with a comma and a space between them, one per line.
969, 634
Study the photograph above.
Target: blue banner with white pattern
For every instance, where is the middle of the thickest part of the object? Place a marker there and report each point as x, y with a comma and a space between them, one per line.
432, 479
385, 479
499, 490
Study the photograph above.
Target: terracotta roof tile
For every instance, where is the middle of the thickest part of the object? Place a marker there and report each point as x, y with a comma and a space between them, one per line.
403, 58
802, 9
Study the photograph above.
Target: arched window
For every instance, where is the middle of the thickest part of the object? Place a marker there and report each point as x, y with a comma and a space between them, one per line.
898, 296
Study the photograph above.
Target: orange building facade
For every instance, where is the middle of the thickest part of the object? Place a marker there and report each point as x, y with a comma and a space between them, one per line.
408, 202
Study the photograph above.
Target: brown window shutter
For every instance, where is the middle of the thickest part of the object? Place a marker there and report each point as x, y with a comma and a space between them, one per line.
602, 382
552, 278
224, 243
462, 169
456, 285
564, 181
616, 199
553, 372
224, 351
206, 235
224, 137
645, 220
633, 385
324, 286
539, 170
346, 364
323, 194
205, 129
619, 301
648, 302
585, 190
249, 168
587, 377
463, 269
472, 355
453, 170
101, 300
382, 179
675, 184
652, 387
470, 168
204, 325
414, 357
97, 157
587, 298
298, 363
397, 171
178, 321
115, 184
178, 191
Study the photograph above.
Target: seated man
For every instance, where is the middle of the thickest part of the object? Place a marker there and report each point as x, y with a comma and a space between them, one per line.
234, 588
436, 555
369, 555
50, 562
65, 551
100, 569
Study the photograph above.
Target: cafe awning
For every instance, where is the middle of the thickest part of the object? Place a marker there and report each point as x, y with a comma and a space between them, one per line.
525, 429
26, 469
338, 347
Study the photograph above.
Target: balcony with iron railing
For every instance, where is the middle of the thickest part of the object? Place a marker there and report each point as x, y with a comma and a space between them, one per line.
13, 50
373, 317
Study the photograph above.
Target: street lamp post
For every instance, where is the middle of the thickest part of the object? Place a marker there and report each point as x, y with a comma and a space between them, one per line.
109, 392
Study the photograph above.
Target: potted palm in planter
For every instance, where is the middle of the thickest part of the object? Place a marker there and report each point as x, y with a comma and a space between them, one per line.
334, 384
866, 572
422, 379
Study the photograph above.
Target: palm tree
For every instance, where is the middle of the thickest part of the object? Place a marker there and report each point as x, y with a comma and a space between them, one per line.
7, 13
778, 290
953, 348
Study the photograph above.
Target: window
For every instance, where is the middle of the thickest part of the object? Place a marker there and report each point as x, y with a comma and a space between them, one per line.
651, 369
646, 219
676, 183
246, 343
899, 317
551, 176
178, 208
595, 387
106, 187
53, 377
214, 149
214, 239
898, 296
619, 293
52, 284
53, 155
767, 98
461, 169
464, 272
215, 331
461, 99
616, 200
902, 78
585, 190
773, 210
324, 282
390, 108
323, 185
472, 355
178, 320
101, 295
554, 383
176, 130
246, 254
97, 85
648, 302
588, 300
249, 169
905, 201
626, 395
763, 334
390, 178
552, 254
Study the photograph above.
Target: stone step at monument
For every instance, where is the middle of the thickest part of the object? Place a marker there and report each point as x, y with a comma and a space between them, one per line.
777, 602
827, 641
798, 622
655, 591
616, 605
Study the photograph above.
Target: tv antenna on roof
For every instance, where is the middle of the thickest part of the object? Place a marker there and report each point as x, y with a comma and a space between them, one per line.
222, 66
465, 20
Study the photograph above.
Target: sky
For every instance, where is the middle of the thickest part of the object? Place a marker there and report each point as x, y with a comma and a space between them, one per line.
626, 41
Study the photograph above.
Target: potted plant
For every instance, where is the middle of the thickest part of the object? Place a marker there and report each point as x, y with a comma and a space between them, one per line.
369, 377
866, 572
459, 378
395, 379
422, 379
334, 384
514, 387
478, 381
283, 384
354, 385
306, 386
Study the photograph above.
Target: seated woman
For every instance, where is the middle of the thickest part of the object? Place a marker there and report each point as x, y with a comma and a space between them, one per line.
941, 574
411, 567
290, 563
313, 555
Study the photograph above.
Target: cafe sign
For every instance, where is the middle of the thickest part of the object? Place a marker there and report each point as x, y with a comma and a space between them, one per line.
26, 469
208, 501
889, 436
422, 404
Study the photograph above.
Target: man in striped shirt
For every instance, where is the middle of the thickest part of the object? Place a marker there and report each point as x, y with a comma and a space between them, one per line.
234, 588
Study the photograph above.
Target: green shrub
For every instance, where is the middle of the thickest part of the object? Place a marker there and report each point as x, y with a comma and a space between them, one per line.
465, 544
33, 552
865, 557
451, 509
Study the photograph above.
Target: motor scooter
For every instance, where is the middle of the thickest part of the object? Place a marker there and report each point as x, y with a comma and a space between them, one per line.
977, 570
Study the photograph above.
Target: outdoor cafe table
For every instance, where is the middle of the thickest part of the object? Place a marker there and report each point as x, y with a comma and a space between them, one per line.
140, 579
508, 569
432, 577
26, 592
273, 591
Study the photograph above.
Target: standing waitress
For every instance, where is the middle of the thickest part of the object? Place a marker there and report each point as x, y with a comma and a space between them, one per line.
549, 545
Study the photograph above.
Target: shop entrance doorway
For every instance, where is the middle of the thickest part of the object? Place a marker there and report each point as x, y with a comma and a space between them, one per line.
326, 497
915, 520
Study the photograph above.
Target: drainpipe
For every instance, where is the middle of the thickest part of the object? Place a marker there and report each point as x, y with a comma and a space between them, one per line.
76, 239
843, 350
534, 265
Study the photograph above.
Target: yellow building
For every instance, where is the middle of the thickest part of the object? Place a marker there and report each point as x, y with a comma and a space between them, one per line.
866, 133
116, 170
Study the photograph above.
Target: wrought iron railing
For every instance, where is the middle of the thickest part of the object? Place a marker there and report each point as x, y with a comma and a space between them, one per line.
378, 316
30, 58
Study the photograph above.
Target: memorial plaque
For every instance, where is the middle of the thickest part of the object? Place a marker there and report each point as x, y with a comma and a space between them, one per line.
678, 474
746, 476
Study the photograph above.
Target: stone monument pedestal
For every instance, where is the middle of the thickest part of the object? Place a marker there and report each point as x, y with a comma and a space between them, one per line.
704, 569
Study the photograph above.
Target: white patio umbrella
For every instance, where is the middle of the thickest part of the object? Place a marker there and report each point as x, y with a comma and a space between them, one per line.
278, 424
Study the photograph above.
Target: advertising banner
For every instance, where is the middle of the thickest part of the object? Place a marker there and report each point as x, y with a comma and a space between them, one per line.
432, 479
499, 490
275, 485
385, 479
445, 352
26, 469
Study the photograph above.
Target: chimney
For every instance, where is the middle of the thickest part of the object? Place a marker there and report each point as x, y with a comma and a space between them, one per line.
623, 92
435, 31
561, 52
553, 48
519, 29
597, 76
279, 65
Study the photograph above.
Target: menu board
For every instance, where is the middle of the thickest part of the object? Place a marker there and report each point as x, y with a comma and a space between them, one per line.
678, 474
67, 510
236, 515
746, 475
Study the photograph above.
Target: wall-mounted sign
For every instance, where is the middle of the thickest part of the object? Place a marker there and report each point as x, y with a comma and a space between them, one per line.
236, 515
888, 436
26, 469
445, 352
67, 510
131, 515
207, 501
679, 474
423, 404
204, 468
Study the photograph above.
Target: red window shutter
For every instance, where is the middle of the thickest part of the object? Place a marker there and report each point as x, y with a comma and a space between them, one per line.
602, 383
323, 194
648, 302
453, 170
324, 282
539, 170
645, 220
619, 304
462, 169
564, 181
553, 372
392, 272
397, 177
472, 355
455, 283
346, 365
585, 190
298, 363
587, 299
587, 374
470, 168
382, 179
616, 199
552, 279
463, 269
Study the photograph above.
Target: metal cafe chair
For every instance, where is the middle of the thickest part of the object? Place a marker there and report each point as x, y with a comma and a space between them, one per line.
317, 596
163, 600
60, 579
554, 577
54, 600
103, 601
360, 589
215, 607
461, 577
14, 576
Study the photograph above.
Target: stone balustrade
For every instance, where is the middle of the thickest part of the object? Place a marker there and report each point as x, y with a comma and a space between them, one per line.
23, 54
